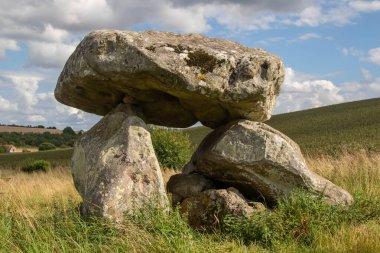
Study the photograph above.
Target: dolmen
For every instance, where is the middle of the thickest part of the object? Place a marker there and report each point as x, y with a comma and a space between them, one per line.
176, 80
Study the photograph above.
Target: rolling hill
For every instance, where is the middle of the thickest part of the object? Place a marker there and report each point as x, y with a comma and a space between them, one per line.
18, 129
325, 130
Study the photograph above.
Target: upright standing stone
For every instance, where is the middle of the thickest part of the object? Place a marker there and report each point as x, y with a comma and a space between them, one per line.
114, 166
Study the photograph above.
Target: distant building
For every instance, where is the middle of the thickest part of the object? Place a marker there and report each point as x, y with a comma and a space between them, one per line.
9, 148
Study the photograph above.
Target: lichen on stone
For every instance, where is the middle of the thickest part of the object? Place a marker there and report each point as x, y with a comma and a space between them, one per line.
151, 48
220, 62
202, 60
178, 48
202, 76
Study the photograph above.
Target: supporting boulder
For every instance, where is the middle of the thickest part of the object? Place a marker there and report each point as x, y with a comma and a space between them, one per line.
261, 162
114, 166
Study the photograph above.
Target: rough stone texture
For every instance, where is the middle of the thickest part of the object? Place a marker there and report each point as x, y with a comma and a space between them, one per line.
114, 166
183, 186
261, 162
188, 77
208, 209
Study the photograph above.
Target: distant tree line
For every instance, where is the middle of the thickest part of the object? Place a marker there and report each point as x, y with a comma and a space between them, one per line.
28, 126
66, 139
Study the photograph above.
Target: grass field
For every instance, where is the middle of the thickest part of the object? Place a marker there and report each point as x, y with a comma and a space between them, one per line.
39, 213
334, 129
57, 158
330, 130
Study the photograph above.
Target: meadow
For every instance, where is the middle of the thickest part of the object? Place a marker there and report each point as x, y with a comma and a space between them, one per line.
331, 130
39, 212
57, 158
334, 129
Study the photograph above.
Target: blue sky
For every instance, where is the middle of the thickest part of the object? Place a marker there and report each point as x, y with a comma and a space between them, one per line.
331, 49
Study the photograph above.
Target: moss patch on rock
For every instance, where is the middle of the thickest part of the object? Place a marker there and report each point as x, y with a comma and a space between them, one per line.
202, 60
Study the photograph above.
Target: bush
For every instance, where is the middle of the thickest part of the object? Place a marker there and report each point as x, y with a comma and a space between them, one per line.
46, 146
69, 131
37, 165
172, 147
2, 150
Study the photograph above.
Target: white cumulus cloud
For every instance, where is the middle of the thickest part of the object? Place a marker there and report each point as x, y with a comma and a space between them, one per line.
301, 91
308, 36
297, 92
60, 19
350, 51
7, 106
367, 6
6, 44
374, 55
49, 55
36, 118
22, 102
369, 87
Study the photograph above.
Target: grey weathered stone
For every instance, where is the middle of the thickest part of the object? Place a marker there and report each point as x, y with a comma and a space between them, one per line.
261, 162
183, 186
114, 166
208, 209
188, 78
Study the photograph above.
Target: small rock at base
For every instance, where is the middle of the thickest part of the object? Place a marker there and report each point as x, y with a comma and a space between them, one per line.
207, 210
183, 186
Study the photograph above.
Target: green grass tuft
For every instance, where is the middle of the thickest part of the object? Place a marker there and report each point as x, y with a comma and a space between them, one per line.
300, 218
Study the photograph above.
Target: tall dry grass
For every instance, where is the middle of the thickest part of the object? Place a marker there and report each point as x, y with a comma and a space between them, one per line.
357, 173
39, 213
29, 192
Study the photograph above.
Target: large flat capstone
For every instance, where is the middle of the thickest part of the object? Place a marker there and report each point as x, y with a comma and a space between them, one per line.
114, 167
175, 79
